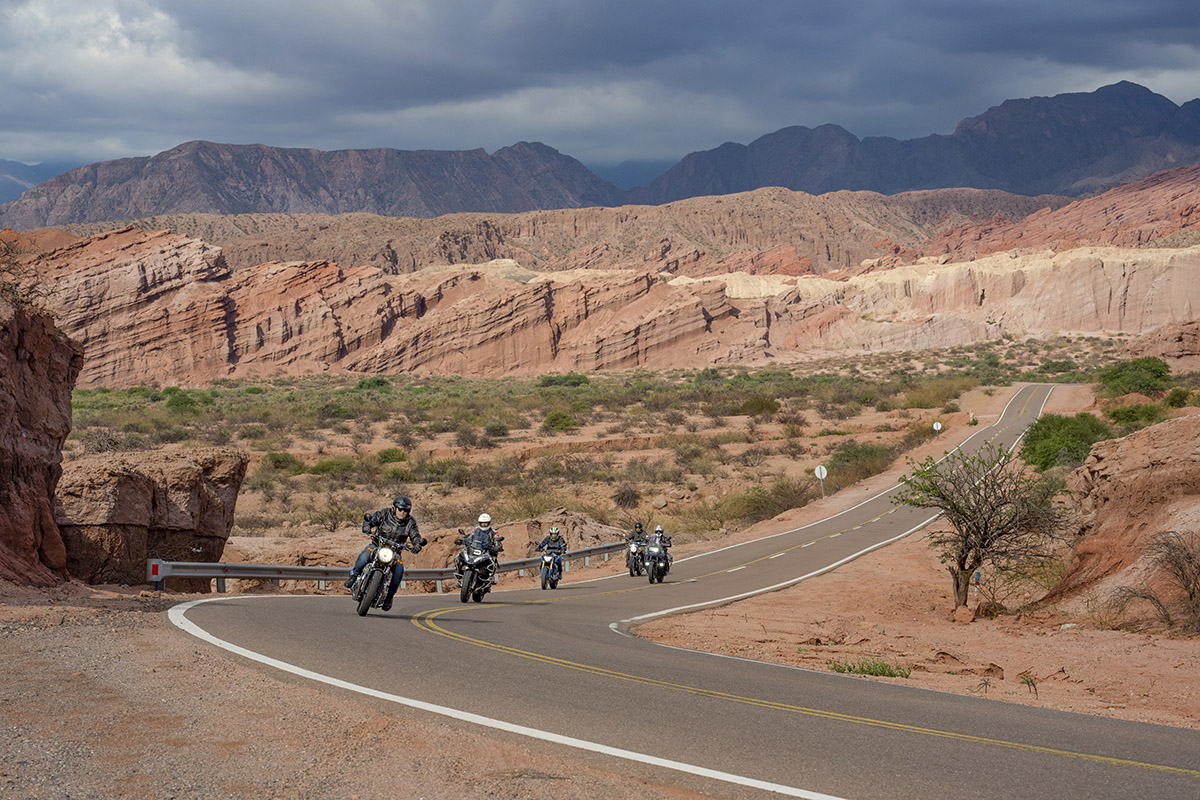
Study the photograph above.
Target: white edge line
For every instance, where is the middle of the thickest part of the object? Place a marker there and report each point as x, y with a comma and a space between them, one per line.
177, 616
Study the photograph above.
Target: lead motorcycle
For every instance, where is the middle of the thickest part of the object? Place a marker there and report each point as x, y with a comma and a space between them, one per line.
370, 590
476, 568
635, 557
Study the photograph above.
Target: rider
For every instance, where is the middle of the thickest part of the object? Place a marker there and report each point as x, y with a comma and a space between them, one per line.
554, 543
664, 541
395, 523
637, 534
494, 545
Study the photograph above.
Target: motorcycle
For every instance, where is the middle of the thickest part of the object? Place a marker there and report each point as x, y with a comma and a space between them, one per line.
658, 563
475, 568
551, 571
370, 589
634, 557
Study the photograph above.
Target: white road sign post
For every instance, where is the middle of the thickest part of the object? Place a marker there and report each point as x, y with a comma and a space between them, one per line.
821, 472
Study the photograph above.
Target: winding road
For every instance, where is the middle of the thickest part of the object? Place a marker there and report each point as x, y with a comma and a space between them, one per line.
561, 666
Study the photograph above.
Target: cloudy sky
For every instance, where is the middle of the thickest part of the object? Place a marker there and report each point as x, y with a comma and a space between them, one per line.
600, 80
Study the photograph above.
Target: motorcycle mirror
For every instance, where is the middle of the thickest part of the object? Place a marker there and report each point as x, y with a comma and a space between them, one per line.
460, 530
499, 538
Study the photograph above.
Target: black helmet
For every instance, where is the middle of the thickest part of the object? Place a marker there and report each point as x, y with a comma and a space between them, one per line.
402, 503
637, 526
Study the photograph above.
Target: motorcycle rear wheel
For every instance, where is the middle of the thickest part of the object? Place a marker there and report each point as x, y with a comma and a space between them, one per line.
468, 583
370, 593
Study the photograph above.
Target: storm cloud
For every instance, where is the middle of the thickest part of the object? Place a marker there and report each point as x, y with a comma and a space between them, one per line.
600, 80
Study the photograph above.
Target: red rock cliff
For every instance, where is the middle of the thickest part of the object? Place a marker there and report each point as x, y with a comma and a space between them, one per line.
38, 367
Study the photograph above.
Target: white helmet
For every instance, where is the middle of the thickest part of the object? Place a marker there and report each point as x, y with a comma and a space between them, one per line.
485, 519
658, 529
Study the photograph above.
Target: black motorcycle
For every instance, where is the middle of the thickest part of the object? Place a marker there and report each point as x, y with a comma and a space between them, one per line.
476, 568
658, 563
635, 560
371, 587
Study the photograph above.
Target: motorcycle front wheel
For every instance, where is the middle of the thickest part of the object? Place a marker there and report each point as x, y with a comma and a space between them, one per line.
545, 578
468, 583
370, 593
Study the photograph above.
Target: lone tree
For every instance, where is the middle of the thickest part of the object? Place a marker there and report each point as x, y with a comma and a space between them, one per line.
1001, 514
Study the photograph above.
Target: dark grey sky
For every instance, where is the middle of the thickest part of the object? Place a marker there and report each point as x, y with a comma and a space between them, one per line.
600, 80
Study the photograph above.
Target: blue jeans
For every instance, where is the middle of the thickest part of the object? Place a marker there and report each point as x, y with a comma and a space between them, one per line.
365, 557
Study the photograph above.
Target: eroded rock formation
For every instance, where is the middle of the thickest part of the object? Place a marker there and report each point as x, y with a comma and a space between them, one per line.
116, 511
38, 366
1127, 490
159, 306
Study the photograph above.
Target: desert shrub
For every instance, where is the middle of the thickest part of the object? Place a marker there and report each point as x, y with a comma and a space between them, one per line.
852, 461
627, 496
337, 467
390, 455
282, 462
496, 430
102, 440
937, 392
1136, 416
1147, 375
559, 422
1175, 556
569, 379
757, 404
869, 666
1177, 397
375, 383
1055, 440
674, 417
764, 502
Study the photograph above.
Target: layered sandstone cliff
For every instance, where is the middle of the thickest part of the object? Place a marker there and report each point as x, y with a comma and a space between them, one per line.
116, 511
161, 307
38, 366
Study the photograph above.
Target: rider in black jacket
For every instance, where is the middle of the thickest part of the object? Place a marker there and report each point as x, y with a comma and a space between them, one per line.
395, 523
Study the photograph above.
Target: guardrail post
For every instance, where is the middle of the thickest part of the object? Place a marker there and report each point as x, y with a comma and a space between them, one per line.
520, 573
566, 565
606, 556
321, 586
587, 561
439, 585
221, 585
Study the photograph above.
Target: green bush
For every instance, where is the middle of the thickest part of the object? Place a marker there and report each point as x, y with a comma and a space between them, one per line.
1136, 416
1147, 375
765, 502
339, 467
377, 383
390, 455
870, 666
282, 462
1177, 397
1055, 440
756, 404
559, 422
569, 379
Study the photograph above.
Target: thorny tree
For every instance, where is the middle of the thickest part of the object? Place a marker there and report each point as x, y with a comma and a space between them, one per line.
1000, 514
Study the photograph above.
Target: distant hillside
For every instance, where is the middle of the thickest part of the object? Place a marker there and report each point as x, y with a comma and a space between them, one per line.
768, 231
17, 178
202, 177
1070, 144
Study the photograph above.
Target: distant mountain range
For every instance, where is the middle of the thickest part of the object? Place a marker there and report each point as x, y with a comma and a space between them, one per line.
17, 178
1071, 144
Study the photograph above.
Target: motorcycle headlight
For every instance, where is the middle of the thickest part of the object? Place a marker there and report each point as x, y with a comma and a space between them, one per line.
653, 549
632, 548
475, 551
547, 557
386, 554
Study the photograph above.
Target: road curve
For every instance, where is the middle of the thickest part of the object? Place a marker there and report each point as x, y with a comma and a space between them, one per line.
561, 666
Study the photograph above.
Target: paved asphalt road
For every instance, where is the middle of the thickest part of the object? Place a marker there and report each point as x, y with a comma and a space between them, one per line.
560, 665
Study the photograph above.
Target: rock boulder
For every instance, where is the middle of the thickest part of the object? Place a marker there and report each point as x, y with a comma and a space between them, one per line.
116, 511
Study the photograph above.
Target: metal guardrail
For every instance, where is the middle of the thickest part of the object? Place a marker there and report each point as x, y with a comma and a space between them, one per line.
157, 570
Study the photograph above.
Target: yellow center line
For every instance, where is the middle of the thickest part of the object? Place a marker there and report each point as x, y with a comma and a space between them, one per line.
426, 622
